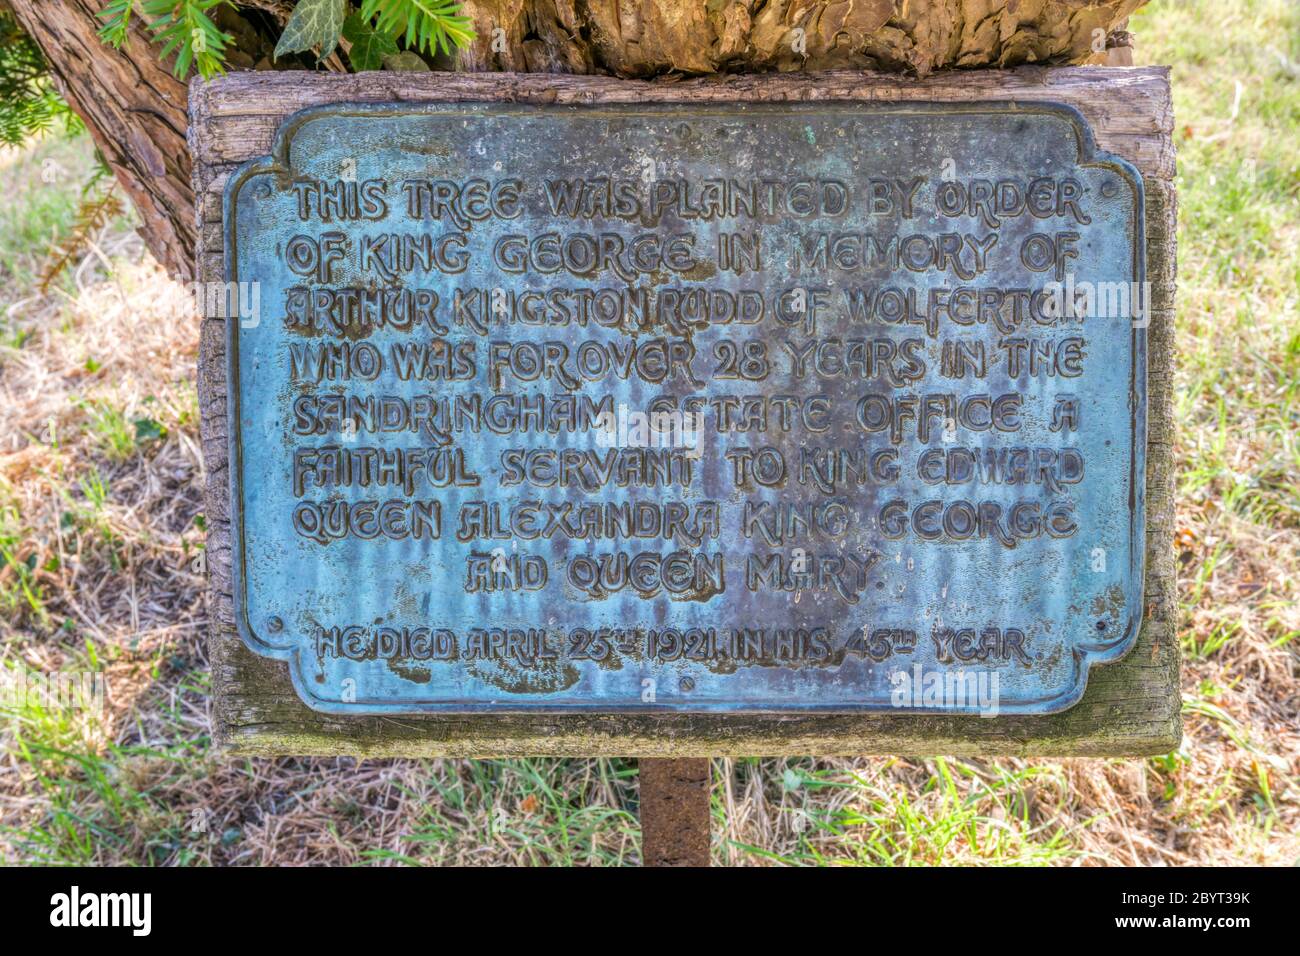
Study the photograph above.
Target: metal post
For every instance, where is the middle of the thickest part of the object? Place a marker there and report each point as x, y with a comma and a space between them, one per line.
675, 812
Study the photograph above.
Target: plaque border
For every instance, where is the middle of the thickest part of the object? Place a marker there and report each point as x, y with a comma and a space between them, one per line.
1088, 154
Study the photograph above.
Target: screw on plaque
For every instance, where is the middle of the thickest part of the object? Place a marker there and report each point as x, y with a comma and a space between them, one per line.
1109, 188
687, 684
275, 625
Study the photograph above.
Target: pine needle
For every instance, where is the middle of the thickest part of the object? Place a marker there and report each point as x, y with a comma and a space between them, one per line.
93, 214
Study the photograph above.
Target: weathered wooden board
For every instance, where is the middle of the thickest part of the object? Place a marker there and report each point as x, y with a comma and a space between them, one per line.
1129, 707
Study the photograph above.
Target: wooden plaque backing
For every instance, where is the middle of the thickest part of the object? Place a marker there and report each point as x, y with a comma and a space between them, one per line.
1130, 708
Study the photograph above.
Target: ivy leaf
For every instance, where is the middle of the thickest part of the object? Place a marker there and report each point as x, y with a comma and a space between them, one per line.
147, 430
313, 23
406, 62
369, 46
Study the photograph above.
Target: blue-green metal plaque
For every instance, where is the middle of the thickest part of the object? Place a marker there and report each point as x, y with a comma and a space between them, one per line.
742, 408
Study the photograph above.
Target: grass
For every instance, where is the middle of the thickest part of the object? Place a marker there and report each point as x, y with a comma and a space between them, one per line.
1237, 99
101, 570
51, 176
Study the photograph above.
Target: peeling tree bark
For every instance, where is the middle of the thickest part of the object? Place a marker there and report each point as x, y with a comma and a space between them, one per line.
136, 110
653, 37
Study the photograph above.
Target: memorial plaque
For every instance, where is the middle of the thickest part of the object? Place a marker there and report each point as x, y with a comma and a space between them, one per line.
707, 407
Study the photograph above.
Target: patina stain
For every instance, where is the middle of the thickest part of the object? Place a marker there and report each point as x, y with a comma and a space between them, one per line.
820, 617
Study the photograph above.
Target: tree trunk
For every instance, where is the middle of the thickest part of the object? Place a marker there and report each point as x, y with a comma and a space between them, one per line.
136, 110
641, 38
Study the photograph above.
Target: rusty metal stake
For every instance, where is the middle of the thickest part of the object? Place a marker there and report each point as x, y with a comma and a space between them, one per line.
675, 812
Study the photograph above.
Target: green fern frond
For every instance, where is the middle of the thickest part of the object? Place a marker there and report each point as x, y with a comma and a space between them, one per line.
186, 29
29, 104
93, 214
423, 25
117, 22
183, 27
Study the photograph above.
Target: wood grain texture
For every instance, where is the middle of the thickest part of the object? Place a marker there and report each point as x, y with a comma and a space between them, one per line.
1131, 707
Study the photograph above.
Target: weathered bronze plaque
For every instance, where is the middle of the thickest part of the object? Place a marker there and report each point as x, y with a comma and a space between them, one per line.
732, 407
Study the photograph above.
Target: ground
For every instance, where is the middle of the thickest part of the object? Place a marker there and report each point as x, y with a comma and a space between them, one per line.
101, 569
